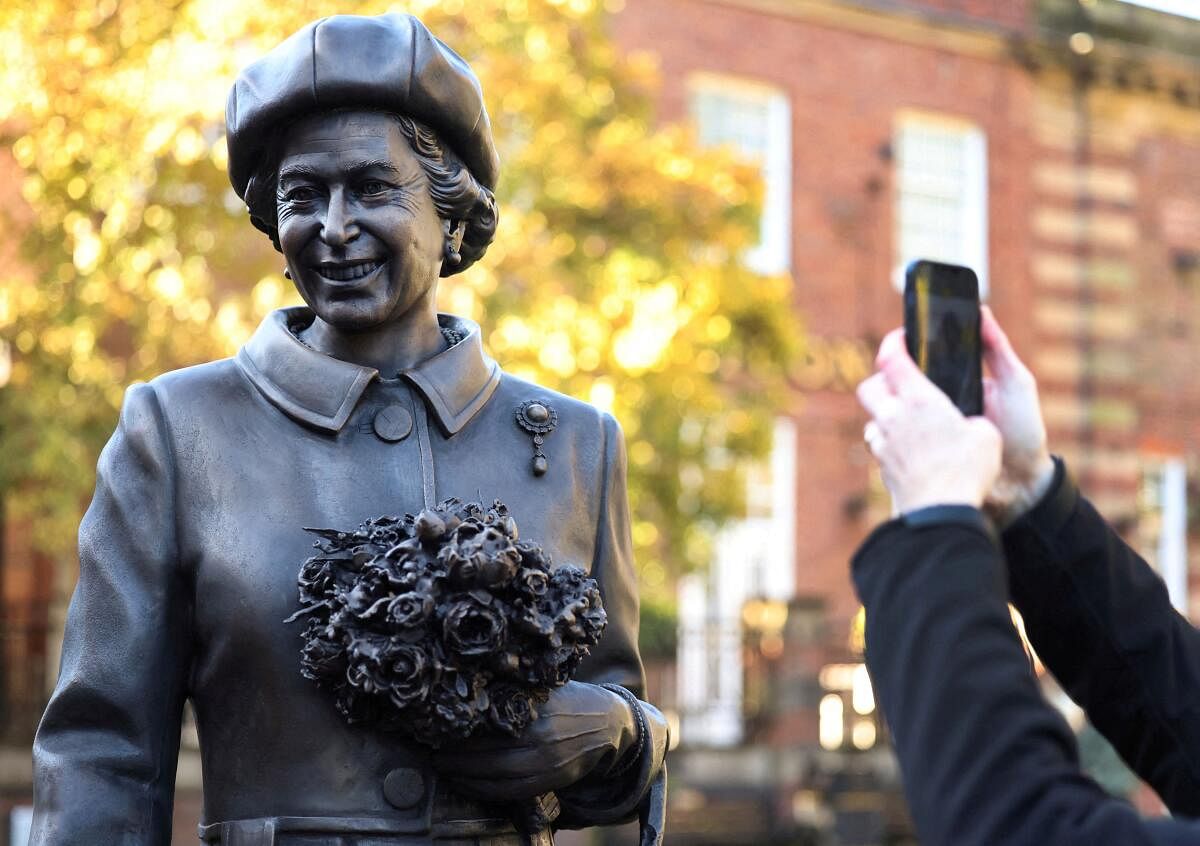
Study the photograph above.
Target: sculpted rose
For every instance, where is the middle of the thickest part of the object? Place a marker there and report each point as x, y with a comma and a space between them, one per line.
460, 702
409, 610
461, 567
512, 709
532, 583
472, 628
323, 656
409, 675
365, 670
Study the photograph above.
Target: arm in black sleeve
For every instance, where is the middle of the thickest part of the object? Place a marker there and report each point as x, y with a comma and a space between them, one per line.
1101, 621
105, 752
985, 759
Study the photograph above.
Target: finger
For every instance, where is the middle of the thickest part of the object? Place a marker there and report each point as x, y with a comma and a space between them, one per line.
892, 343
513, 764
569, 745
875, 395
536, 772
486, 745
991, 398
489, 743
873, 435
897, 366
506, 790
998, 351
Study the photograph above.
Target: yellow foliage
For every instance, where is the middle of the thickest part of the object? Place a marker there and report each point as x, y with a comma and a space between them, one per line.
614, 274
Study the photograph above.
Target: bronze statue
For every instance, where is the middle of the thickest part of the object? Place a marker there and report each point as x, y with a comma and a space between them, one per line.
362, 148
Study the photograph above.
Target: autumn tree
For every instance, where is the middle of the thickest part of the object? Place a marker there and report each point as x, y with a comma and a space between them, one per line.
615, 275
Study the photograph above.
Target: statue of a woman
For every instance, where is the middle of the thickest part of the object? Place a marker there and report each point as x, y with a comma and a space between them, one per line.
362, 148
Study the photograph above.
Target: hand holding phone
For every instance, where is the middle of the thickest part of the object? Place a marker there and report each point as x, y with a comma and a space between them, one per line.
942, 330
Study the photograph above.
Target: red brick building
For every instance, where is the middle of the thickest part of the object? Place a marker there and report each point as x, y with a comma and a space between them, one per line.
1053, 145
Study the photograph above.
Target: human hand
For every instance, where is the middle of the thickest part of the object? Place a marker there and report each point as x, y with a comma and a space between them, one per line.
928, 452
581, 728
1010, 400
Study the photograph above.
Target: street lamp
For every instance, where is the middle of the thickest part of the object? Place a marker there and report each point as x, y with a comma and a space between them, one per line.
838, 724
763, 621
766, 619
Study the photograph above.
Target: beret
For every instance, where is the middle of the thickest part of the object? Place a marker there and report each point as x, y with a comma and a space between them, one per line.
390, 62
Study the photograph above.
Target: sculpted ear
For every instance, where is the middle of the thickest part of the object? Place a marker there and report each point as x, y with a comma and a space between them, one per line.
454, 232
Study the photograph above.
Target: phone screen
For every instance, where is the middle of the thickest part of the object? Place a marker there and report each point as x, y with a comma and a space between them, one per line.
942, 328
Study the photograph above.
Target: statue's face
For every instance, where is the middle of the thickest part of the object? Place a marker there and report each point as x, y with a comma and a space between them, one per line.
357, 226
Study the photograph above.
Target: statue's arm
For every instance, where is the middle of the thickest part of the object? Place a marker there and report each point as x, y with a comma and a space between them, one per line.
105, 752
605, 798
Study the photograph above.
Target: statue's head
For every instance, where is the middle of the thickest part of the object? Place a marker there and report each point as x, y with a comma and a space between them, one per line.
362, 148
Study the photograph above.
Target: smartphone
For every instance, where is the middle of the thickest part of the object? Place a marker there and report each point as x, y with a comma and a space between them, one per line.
942, 329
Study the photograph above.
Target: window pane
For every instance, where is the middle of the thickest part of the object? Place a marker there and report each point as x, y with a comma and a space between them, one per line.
755, 121
941, 194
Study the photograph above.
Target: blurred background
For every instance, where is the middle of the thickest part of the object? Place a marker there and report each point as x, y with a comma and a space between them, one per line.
704, 207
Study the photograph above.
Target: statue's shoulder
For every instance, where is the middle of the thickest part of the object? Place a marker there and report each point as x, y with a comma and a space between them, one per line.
191, 390
575, 418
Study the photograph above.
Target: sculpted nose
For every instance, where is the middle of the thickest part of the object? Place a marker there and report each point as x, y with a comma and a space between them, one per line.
339, 227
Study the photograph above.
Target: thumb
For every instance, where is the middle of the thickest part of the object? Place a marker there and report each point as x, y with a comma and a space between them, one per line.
897, 366
991, 399
998, 351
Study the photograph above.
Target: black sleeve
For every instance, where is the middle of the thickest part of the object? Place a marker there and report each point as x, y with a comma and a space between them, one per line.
985, 759
105, 752
1100, 619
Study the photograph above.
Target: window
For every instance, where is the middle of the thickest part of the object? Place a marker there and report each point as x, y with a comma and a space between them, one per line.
754, 560
755, 120
20, 822
941, 194
1163, 524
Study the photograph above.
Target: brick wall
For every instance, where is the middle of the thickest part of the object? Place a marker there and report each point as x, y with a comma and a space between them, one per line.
1094, 240
846, 87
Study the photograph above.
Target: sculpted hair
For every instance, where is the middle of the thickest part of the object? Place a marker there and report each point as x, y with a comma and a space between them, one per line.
456, 194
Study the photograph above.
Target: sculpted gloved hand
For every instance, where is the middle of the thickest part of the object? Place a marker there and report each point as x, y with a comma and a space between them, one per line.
583, 729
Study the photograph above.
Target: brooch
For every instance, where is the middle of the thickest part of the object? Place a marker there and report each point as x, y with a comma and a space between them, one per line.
538, 418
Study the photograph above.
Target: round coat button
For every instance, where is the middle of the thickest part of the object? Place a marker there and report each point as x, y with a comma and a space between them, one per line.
393, 423
403, 787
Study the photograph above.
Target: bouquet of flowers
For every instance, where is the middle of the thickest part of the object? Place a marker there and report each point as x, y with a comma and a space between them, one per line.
443, 624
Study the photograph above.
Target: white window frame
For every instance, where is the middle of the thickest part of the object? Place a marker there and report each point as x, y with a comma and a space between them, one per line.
972, 191
1163, 520
20, 825
773, 253
754, 558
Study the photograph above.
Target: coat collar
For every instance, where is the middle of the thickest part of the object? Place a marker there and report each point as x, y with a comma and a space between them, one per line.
322, 391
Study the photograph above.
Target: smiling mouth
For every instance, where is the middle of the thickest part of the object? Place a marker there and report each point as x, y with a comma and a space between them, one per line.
348, 271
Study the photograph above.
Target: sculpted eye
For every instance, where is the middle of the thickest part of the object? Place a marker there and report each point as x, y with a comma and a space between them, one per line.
301, 194
373, 187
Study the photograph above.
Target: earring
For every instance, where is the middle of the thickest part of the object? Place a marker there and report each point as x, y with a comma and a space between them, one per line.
454, 237
287, 272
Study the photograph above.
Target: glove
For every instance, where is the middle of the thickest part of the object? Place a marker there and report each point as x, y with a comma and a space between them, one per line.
581, 730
